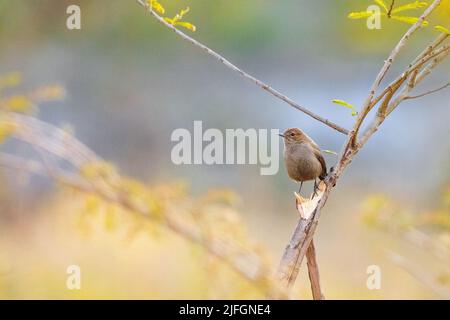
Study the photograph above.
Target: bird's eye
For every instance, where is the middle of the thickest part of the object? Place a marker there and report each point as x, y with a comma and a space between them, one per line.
292, 134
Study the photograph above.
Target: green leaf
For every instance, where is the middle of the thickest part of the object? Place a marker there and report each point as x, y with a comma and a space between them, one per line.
410, 6
186, 25
175, 21
360, 15
442, 29
330, 152
155, 5
344, 103
169, 20
183, 12
347, 105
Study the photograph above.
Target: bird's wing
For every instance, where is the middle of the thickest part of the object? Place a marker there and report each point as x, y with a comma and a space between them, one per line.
314, 144
319, 157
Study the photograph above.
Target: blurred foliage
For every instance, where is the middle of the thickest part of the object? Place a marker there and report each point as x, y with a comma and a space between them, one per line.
127, 255
442, 29
390, 11
382, 212
121, 255
241, 26
26, 102
200, 241
426, 231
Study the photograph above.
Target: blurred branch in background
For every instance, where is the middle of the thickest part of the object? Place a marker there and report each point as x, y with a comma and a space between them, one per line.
423, 276
428, 233
69, 162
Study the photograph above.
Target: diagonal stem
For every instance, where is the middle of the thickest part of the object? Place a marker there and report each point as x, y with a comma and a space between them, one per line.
244, 74
390, 8
313, 272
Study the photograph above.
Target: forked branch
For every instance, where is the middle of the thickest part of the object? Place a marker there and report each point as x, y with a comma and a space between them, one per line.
305, 229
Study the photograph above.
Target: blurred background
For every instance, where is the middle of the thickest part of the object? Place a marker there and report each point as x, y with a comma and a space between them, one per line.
130, 82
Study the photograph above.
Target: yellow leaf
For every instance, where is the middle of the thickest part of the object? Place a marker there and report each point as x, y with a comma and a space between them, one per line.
330, 152
442, 29
381, 3
168, 20
343, 103
17, 104
155, 5
110, 218
407, 19
347, 105
92, 204
175, 21
186, 25
183, 12
410, 6
360, 15
180, 15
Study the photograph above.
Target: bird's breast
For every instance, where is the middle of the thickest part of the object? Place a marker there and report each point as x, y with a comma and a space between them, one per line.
301, 163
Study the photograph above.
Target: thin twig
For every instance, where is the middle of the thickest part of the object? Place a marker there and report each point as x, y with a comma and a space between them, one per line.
428, 92
244, 74
416, 78
386, 66
431, 66
390, 8
431, 52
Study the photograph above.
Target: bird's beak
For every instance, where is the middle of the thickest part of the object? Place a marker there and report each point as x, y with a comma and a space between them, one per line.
281, 135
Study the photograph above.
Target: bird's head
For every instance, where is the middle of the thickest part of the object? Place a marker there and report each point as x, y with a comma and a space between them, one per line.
293, 136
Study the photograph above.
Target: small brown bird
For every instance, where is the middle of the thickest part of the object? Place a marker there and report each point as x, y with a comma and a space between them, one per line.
303, 158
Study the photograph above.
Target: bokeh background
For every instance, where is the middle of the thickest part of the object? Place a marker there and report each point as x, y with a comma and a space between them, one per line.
130, 82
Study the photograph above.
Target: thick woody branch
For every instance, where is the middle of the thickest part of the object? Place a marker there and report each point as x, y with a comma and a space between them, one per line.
244, 74
302, 236
313, 272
